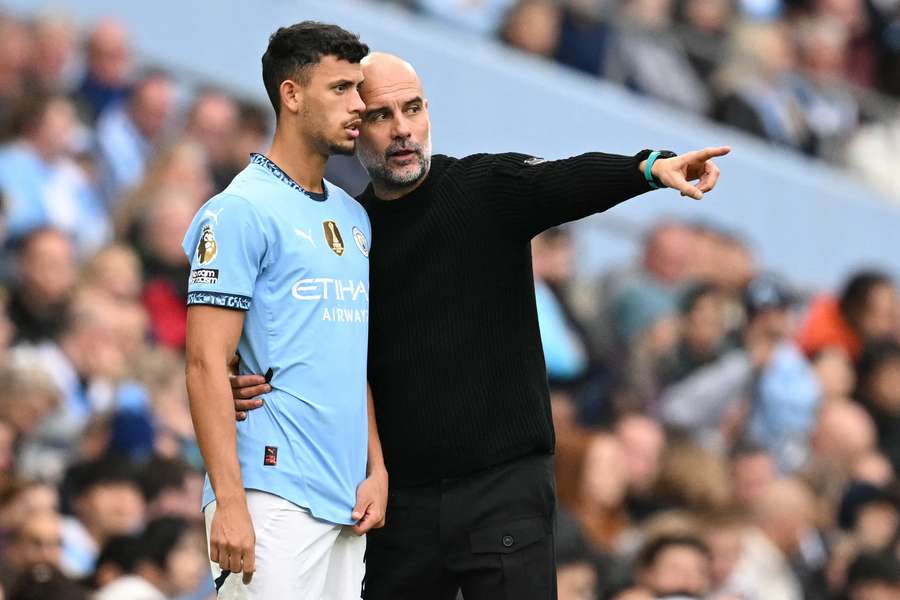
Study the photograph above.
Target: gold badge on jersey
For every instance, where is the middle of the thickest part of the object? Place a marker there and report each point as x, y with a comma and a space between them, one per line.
207, 248
333, 237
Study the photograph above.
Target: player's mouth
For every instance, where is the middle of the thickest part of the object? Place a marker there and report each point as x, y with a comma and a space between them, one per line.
352, 129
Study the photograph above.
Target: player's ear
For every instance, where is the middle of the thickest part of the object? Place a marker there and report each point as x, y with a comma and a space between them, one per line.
291, 96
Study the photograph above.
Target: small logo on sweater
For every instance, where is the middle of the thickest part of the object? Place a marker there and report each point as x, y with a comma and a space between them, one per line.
270, 459
361, 242
207, 248
333, 237
534, 160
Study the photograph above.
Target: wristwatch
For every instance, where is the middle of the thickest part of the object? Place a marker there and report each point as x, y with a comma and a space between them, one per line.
652, 158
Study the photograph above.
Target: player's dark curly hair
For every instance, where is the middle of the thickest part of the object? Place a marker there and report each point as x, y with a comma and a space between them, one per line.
294, 50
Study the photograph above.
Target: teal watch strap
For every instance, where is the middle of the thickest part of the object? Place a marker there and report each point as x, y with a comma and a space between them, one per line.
648, 175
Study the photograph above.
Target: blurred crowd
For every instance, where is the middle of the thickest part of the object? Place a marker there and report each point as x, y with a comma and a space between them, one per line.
820, 76
720, 435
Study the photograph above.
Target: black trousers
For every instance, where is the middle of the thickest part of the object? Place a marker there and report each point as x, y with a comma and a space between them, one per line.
489, 534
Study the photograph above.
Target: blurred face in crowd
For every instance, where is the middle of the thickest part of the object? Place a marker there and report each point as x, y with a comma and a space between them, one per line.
47, 268
91, 341
735, 266
883, 386
835, 373
552, 256
785, 512
708, 15
642, 440
166, 225
704, 325
604, 476
395, 134
533, 26
152, 106
38, 541
873, 467
53, 49
186, 564
577, 581
111, 508
726, 548
213, 124
16, 47
752, 474
843, 432
876, 526
877, 319
109, 54
53, 132
823, 44
875, 590
678, 569
667, 253
116, 270
35, 498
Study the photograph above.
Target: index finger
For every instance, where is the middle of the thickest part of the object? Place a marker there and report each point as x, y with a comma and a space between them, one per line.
711, 152
242, 381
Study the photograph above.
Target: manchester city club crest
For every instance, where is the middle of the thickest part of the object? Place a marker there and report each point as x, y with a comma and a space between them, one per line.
207, 248
333, 237
361, 242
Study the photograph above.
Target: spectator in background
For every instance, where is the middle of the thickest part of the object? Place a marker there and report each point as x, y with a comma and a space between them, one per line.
584, 35
107, 77
533, 26
165, 266
754, 86
43, 582
53, 53
171, 488
879, 393
483, 17
835, 373
646, 57
693, 478
45, 187
171, 563
115, 271
128, 132
723, 533
106, 501
177, 168
600, 507
782, 518
576, 577
872, 152
253, 131
117, 558
643, 442
15, 55
675, 565
703, 31
45, 278
753, 470
829, 108
870, 515
873, 577
865, 311
37, 540
703, 333
213, 124
565, 349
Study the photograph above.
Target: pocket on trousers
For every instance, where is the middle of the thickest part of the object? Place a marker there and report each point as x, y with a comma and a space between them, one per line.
509, 537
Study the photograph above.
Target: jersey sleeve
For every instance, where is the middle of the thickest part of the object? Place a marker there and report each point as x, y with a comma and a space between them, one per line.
226, 244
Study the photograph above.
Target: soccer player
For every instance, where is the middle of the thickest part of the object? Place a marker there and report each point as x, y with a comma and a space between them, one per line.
280, 273
455, 363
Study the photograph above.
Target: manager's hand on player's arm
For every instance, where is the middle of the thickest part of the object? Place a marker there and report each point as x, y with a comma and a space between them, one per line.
371, 495
678, 172
212, 337
245, 389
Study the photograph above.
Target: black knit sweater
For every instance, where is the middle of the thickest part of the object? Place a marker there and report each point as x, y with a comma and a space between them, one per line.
455, 358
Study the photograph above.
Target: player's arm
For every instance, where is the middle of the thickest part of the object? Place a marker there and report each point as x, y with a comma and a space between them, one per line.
212, 337
371, 496
531, 195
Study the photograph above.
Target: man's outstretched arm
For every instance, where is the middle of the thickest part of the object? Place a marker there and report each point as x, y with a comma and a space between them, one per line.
212, 337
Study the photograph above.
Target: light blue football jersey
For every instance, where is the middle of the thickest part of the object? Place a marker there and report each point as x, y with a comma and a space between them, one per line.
298, 264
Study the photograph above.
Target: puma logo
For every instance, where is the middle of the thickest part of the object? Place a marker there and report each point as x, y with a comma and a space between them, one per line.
306, 235
214, 216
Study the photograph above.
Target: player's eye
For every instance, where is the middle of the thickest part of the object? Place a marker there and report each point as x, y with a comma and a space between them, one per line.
340, 88
414, 109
